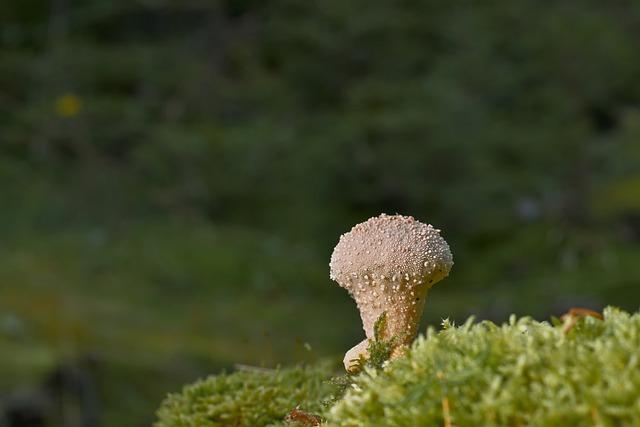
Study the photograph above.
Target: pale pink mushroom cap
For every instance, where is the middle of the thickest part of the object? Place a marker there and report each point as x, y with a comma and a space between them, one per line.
388, 263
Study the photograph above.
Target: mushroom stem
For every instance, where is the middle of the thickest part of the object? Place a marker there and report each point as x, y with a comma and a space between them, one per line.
402, 330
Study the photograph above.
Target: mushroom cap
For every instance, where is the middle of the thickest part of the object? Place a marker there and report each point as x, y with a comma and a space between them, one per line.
388, 249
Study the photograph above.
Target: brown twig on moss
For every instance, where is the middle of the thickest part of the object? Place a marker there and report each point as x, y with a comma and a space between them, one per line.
571, 317
304, 418
446, 412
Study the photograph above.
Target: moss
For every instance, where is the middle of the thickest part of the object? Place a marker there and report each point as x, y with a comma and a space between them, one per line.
247, 398
379, 348
522, 372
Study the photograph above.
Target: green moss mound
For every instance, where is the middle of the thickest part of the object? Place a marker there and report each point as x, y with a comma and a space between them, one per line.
521, 373
247, 398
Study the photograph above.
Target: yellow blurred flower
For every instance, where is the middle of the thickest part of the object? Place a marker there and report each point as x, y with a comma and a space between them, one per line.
68, 105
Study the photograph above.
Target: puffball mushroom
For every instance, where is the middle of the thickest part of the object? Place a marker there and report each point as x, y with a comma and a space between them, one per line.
387, 264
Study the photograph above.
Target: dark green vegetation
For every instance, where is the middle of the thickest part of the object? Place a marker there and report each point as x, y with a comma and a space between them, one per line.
174, 175
519, 373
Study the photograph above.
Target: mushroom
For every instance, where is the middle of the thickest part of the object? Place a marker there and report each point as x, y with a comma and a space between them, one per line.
387, 264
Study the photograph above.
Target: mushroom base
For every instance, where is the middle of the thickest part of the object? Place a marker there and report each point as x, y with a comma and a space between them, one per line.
403, 320
352, 356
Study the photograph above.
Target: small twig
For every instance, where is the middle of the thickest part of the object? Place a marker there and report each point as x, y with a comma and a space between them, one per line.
446, 413
304, 418
571, 317
595, 416
584, 312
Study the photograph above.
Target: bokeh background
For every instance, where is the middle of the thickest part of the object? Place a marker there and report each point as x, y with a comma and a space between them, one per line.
175, 174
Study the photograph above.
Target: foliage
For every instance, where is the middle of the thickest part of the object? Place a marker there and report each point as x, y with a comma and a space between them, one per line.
522, 372
157, 305
510, 134
247, 398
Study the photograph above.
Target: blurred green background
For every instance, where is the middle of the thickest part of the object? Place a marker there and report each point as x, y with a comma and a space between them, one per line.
175, 174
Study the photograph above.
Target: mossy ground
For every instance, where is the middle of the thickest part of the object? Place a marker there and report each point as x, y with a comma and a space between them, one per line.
520, 373
247, 398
